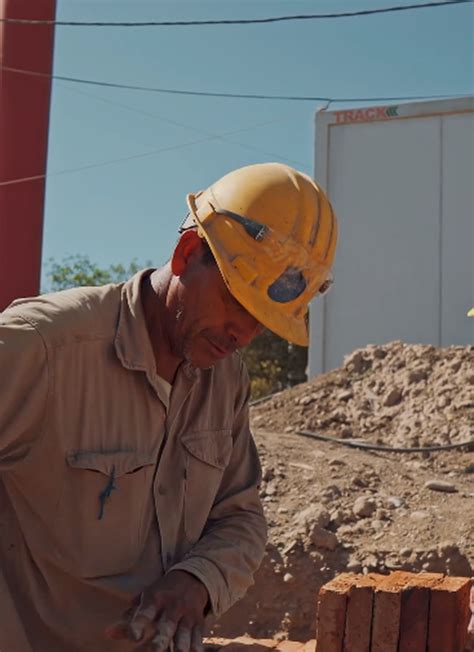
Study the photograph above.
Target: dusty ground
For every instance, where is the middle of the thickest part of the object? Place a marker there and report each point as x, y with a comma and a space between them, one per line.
332, 508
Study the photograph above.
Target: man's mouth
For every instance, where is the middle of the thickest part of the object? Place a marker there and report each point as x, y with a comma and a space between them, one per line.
219, 350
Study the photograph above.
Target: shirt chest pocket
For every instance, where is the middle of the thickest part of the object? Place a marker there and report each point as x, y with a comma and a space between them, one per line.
207, 454
104, 510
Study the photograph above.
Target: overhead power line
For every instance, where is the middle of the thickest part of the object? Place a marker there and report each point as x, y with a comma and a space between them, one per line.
236, 21
207, 138
244, 96
212, 135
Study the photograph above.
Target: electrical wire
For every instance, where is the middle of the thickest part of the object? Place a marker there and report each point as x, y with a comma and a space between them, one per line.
237, 21
91, 166
223, 137
387, 449
246, 96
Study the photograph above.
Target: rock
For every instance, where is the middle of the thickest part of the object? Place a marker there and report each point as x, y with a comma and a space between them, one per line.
337, 517
419, 515
346, 396
443, 402
394, 397
271, 489
370, 562
292, 546
379, 353
353, 566
456, 366
288, 577
394, 502
392, 563
417, 375
364, 506
346, 433
330, 493
322, 538
268, 473
445, 549
357, 362
335, 461
440, 485
358, 481
315, 514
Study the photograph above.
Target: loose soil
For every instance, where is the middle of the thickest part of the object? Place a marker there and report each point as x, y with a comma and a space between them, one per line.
331, 508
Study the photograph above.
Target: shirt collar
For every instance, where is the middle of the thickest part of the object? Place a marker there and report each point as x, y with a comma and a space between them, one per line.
132, 342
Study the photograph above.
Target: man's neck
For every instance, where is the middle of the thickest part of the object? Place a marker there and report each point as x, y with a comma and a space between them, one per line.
154, 293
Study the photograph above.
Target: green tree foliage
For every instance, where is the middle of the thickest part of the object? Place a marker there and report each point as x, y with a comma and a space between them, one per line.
273, 364
77, 270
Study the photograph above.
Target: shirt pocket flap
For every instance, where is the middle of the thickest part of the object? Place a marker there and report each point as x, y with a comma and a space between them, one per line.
116, 462
213, 447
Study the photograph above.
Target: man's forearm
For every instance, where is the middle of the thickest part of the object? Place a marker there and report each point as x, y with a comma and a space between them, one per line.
227, 556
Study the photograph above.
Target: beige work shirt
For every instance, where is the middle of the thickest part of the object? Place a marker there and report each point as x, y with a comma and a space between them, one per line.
103, 489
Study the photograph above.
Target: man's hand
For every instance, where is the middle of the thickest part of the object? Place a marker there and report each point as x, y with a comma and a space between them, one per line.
169, 611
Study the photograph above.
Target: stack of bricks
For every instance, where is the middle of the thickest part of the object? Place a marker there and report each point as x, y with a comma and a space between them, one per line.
400, 612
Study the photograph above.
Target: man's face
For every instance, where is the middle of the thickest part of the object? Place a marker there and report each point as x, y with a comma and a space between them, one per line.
209, 323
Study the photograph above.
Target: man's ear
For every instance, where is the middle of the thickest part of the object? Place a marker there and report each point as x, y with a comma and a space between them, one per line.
189, 247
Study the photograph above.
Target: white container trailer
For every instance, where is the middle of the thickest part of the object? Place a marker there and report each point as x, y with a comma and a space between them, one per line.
401, 179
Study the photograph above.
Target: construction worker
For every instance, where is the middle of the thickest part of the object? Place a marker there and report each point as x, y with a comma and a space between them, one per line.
129, 505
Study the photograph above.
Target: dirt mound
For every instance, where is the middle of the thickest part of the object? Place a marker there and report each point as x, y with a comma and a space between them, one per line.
332, 509
397, 394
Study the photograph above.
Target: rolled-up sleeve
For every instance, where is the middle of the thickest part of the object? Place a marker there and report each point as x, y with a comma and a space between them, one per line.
233, 542
24, 386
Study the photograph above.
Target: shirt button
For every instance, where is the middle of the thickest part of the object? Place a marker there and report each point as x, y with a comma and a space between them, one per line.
162, 490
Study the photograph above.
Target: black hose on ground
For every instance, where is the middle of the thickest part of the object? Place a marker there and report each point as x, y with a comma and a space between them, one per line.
387, 449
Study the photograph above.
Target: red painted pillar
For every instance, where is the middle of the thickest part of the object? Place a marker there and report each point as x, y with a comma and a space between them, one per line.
24, 118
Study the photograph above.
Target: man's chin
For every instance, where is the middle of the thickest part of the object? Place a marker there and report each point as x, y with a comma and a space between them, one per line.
205, 357
200, 361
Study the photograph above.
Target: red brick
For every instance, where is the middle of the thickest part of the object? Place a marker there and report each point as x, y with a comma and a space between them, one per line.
398, 607
386, 612
449, 615
414, 619
331, 614
359, 615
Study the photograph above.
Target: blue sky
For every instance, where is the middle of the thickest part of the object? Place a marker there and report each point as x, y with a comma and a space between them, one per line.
130, 209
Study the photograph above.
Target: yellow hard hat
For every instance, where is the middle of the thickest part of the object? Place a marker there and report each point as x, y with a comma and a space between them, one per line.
273, 234
471, 313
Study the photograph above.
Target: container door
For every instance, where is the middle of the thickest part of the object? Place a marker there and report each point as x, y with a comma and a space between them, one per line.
384, 181
457, 235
